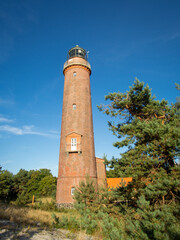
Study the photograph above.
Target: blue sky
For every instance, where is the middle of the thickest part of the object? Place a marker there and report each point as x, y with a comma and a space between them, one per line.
126, 39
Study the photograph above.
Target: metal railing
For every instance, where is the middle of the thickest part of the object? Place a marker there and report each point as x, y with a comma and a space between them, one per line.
68, 63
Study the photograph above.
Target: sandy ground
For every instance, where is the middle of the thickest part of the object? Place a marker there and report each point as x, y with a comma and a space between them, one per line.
10, 231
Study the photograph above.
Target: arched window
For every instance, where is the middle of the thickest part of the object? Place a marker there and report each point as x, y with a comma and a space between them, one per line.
74, 106
72, 190
74, 74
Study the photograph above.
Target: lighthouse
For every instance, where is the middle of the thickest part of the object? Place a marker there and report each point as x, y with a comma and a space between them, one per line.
77, 155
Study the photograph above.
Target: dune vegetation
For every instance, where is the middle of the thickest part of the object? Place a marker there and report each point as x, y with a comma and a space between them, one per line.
147, 208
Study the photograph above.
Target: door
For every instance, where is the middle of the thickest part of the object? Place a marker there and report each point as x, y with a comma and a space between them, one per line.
73, 144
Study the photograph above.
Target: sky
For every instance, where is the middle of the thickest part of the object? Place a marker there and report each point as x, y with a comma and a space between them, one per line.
126, 39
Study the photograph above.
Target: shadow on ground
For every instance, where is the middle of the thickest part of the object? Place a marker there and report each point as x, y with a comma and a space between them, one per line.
11, 230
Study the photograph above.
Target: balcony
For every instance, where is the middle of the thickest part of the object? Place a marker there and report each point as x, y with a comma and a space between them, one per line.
78, 148
72, 62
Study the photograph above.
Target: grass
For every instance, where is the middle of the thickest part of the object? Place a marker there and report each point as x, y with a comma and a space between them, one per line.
29, 215
35, 217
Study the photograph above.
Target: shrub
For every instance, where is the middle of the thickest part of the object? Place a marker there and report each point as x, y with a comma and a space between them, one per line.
158, 223
72, 223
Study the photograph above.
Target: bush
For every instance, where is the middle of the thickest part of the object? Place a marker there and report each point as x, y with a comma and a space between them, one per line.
118, 220
87, 196
47, 206
23, 198
6, 190
72, 223
160, 223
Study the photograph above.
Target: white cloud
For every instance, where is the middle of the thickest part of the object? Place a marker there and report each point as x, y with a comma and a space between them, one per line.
14, 130
25, 130
2, 119
55, 132
28, 128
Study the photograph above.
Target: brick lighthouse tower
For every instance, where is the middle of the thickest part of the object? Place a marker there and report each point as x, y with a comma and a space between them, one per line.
77, 156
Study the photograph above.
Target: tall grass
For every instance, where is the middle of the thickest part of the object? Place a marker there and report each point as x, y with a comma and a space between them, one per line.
28, 215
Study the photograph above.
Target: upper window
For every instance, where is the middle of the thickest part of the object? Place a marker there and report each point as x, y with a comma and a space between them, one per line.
74, 106
73, 144
74, 74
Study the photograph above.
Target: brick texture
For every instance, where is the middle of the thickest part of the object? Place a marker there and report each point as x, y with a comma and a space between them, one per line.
101, 172
77, 123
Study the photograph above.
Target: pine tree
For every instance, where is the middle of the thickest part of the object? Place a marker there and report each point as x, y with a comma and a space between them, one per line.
149, 130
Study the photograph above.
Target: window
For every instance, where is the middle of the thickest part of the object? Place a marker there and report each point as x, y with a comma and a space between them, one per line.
72, 190
73, 144
74, 106
74, 74
73, 141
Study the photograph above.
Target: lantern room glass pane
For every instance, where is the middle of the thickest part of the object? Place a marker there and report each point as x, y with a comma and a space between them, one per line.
77, 52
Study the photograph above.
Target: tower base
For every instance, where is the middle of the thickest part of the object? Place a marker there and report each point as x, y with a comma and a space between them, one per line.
65, 205
65, 187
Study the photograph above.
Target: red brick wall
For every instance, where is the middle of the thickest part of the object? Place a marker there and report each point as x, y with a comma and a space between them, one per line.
101, 172
75, 166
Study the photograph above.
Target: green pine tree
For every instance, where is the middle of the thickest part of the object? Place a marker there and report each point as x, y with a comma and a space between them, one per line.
149, 131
